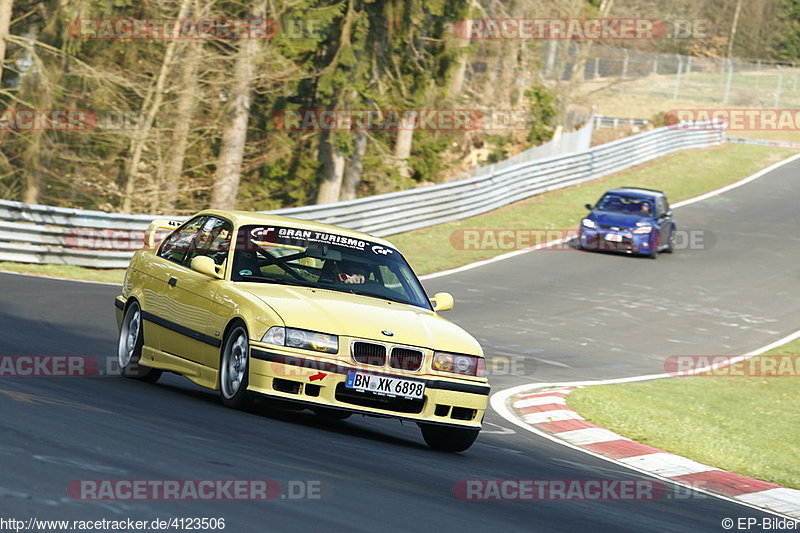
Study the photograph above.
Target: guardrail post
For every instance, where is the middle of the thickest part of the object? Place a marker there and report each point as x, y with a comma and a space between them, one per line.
778, 87
728, 82
677, 92
625, 63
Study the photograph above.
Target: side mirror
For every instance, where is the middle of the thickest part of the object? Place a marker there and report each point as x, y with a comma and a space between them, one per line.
668, 213
588, 206
205, 265
442, 301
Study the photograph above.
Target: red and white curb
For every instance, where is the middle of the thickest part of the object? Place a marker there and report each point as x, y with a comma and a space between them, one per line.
547, 412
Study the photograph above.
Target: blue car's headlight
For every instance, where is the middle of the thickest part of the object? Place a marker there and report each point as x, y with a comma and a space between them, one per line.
641, 230
588, 223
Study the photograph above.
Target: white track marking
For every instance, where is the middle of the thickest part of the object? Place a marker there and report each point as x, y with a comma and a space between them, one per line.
582, 437
666, 464
539, 400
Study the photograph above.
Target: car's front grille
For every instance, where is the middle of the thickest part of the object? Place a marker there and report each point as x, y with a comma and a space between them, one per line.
405, 359
614, 228
368, 353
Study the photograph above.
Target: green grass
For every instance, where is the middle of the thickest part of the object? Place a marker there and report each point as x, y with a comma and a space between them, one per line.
430, 249
746, 425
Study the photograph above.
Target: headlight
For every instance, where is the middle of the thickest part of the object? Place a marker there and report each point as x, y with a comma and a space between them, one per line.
301, 338
642, 230
588, 223
469, 365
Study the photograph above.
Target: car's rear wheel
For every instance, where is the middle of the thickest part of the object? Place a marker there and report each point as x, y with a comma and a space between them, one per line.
448, 439
129, 347
233, 370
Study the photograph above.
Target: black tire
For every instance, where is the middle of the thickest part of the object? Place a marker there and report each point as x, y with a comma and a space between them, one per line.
448, 439
234, 368
129, 347
670, 242
332, 414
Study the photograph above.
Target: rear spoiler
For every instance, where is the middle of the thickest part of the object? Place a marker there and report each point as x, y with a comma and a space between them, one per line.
159, 224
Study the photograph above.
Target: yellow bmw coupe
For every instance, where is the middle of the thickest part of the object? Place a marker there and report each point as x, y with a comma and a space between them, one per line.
329, 319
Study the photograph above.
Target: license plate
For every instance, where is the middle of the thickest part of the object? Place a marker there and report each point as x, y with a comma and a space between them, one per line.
384, 385
613, 237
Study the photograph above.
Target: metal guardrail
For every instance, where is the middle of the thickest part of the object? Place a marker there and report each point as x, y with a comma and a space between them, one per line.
612, 122
55, 235
765, 142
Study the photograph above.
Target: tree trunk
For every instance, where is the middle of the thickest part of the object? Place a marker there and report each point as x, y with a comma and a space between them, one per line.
33, 181
152, 103
552, 53
5, 23
332, 171
183, 119
402, 147
355, 167
333, 162
234, 136
585, 47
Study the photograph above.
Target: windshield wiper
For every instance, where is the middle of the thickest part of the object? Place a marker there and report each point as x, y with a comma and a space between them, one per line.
277, 281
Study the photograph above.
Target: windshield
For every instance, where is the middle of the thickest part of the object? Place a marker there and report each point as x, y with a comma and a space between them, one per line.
628, 205
310, 258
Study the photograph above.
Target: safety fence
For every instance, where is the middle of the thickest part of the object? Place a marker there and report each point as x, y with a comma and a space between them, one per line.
56, 235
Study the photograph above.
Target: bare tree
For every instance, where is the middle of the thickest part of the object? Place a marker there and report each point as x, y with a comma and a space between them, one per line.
234, 134
187, 98
355, 167
5, 23
152, 105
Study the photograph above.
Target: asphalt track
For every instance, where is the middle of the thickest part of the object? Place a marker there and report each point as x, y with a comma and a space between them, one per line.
543, 316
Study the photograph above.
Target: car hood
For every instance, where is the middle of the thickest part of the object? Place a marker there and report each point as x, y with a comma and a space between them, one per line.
364, 317
607, 218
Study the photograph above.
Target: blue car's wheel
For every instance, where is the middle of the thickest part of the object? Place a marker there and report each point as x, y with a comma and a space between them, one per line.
670, 242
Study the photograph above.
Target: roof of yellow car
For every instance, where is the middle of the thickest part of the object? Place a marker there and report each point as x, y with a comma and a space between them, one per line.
240, 218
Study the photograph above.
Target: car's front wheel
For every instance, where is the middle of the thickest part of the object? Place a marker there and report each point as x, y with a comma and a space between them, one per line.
448, 439
670, 242
129, 347
233, 370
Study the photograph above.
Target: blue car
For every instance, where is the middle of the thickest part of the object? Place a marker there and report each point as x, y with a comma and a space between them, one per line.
632, 220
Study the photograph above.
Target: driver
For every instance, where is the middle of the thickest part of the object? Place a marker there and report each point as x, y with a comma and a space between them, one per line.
351, 272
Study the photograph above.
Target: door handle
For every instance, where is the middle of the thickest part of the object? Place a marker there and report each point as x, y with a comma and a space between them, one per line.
173, 281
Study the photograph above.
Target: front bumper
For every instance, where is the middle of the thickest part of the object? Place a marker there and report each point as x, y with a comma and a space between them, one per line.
626, 241
316, 382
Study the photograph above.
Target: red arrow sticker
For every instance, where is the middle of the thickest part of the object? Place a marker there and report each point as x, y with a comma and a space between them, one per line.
317, 376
